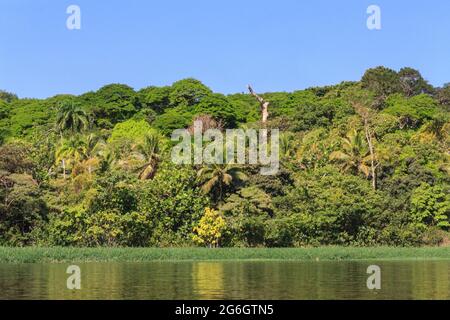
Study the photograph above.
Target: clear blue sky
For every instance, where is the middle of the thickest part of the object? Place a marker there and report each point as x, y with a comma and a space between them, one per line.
279, 45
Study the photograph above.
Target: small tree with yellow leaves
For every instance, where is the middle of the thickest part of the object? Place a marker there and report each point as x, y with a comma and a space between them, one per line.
210, 228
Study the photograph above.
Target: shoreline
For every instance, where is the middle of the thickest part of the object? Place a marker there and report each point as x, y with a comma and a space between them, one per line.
71, 254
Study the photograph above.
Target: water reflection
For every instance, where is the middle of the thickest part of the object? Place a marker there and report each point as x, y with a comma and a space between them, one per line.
228, 280
208, 279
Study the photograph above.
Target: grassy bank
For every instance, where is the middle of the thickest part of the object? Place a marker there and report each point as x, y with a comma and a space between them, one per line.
40, 255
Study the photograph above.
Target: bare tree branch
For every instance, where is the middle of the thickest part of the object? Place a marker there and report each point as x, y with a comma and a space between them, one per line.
364, 113
264, 105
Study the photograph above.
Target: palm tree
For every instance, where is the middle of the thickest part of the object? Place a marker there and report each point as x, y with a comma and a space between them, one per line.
287, 147
73, 149
355, 155
71, 117
149, 152
94, 146
216, 177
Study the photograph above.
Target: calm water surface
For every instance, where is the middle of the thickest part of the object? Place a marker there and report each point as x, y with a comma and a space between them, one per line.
228, 280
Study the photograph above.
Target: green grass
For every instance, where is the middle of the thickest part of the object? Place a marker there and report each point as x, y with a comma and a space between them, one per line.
42, 255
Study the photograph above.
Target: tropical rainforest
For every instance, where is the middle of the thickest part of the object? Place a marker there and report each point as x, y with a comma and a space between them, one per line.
362, 163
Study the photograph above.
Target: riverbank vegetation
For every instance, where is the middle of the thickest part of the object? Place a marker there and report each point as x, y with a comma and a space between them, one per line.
71, 255
362, 163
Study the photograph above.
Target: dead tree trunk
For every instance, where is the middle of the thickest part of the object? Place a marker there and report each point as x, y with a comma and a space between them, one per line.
264, 105
373, 165
365, 116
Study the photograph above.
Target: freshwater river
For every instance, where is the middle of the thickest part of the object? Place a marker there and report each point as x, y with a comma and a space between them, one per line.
228, 280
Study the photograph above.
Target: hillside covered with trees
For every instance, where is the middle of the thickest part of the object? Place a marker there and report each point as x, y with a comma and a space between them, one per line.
362, 163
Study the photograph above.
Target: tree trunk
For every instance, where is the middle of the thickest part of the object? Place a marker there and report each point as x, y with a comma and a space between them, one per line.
364, 113
63, 161
264, 105
373, 167
64, 168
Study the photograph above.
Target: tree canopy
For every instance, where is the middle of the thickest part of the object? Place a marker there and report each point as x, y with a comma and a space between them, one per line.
361, 163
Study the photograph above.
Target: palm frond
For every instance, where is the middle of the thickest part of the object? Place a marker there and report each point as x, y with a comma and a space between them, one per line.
209, 185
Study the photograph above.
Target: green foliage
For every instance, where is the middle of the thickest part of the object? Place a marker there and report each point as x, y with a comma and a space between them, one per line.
42, 255
7, 96
287, 104
149, 151
22, 208
382, 81
313, 116
354, 154
413, 83
14, 158
155, 98
245, 106
173, 204
384, 123
94, 170
411, 112
77, 227
172, 120
218, 107
132, 131
71, 117
148, 115
113, 192
28, 115
315, 149
430, 206
329, 207
443, 96
321, 114
111, 104
247, 213
187, 93
248, 199
217, 179
4, 110
107, 216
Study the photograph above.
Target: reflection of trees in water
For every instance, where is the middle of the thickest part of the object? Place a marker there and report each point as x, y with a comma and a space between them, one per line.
418, 280
119, 281
97, 281
430, 280
208, 280
23, 281
228, 280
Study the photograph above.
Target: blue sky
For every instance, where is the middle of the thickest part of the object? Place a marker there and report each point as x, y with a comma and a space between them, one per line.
279, 45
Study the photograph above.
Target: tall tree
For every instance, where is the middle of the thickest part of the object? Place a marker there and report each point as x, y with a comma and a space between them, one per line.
366, 116
71, 117
354, 154
188, 92
71, 151
413, 83
382, 81
113, 103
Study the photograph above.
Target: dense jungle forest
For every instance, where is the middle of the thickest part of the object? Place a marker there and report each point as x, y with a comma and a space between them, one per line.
361, 163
